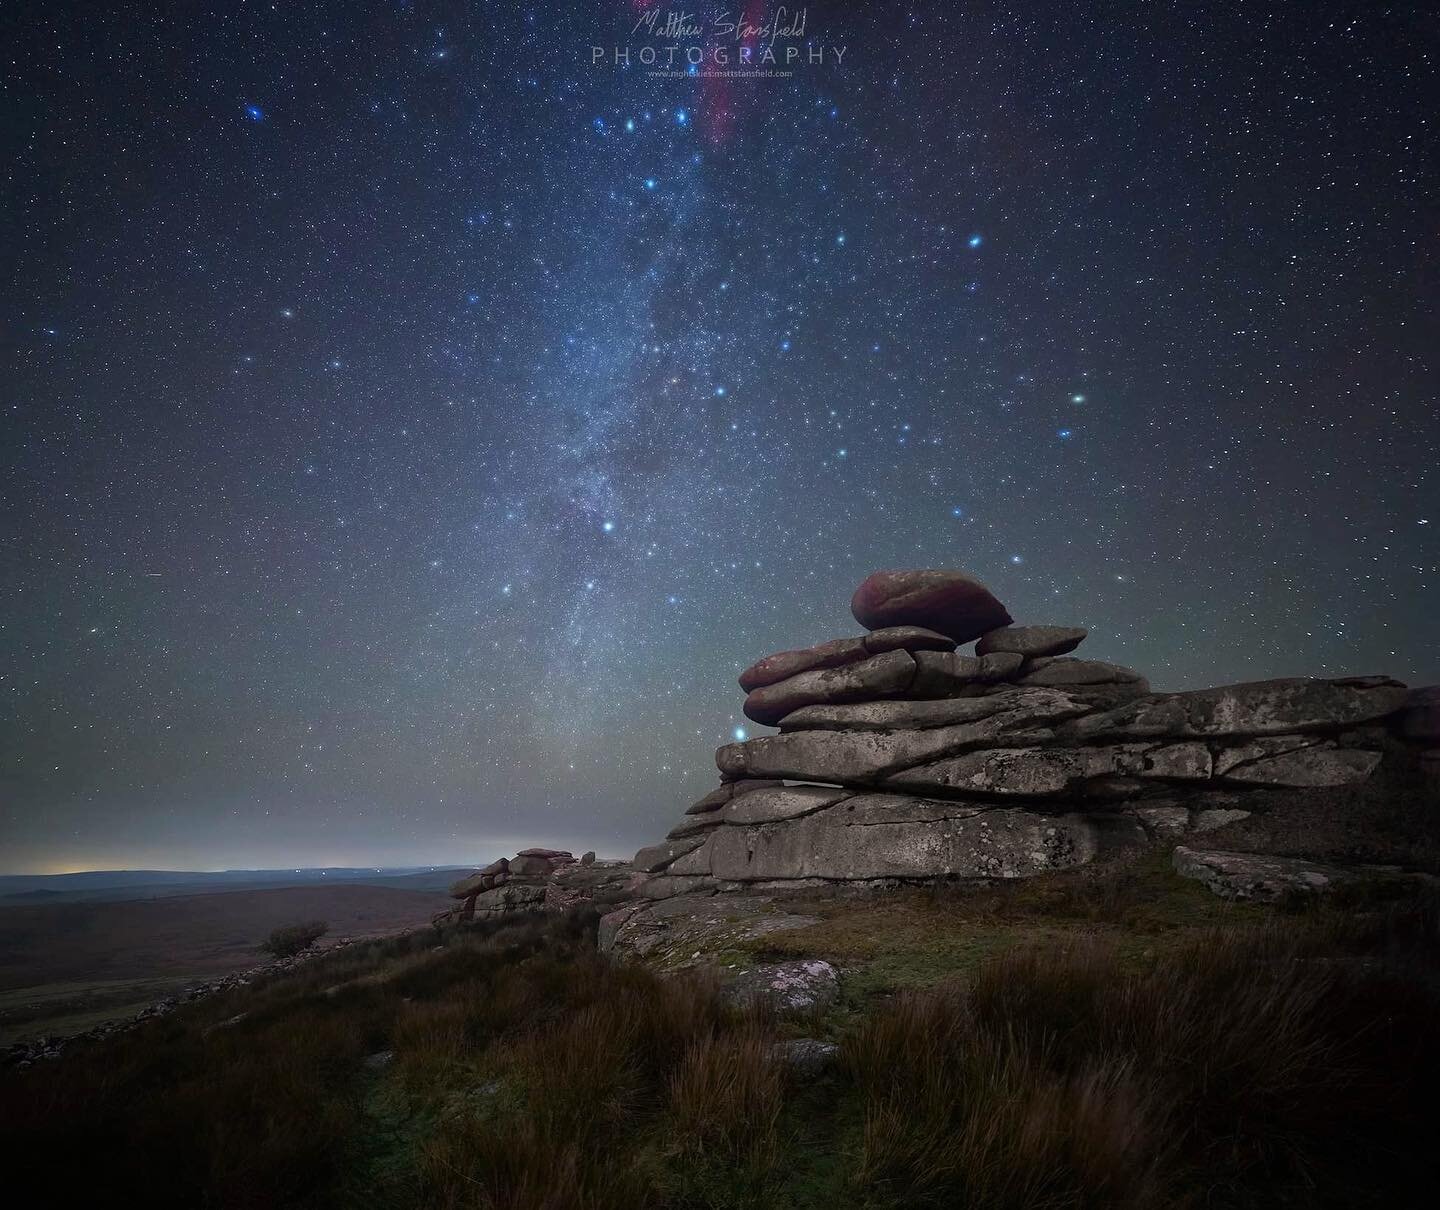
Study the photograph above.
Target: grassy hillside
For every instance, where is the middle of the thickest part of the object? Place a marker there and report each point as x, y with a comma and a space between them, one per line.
1078, 1042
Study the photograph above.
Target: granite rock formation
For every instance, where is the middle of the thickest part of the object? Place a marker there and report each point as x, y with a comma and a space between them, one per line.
901, 757
538, 880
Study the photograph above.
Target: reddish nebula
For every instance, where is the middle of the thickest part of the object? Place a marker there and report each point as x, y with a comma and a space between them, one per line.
722, 97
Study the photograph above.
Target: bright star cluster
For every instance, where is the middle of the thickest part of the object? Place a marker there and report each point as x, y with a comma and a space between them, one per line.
412, 427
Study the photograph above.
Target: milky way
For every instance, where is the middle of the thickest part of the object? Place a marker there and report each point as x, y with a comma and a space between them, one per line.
413, 425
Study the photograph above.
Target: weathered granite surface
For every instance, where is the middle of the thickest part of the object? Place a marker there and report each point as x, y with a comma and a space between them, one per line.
922, 761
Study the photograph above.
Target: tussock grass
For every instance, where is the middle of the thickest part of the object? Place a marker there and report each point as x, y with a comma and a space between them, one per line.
1275, 1061
1243, 1068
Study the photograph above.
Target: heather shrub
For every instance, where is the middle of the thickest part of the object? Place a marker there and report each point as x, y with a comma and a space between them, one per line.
292, 939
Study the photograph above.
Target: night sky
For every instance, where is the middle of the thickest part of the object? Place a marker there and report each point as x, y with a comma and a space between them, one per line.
411, 427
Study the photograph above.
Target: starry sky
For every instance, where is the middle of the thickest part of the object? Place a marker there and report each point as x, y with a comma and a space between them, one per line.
411, 426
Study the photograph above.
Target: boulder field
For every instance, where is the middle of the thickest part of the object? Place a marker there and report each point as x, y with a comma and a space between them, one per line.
899, 756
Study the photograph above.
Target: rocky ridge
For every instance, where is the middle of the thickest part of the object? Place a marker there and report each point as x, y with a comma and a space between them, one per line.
900, 757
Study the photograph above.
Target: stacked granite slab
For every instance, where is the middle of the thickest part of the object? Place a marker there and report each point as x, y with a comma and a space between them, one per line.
537, 880
900, 756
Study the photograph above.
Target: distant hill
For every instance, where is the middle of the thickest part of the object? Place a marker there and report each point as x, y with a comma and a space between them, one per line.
113, 885
192, 936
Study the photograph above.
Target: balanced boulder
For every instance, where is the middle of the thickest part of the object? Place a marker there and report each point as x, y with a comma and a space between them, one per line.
949, 602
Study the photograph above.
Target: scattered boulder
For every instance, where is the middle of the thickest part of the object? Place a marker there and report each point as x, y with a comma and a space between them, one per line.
805, 1058
1257, 876
954, 604
788, 988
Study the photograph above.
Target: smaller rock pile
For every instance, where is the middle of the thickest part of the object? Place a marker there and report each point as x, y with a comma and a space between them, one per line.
536, 880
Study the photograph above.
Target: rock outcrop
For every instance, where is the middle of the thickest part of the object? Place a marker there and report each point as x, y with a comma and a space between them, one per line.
1265, 877
1257, 876
901, 757
537, 880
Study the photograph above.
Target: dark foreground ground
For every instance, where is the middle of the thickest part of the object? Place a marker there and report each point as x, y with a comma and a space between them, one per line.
1110, 1038
66, 967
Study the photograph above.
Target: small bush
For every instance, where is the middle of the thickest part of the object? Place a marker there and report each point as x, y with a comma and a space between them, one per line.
294, 938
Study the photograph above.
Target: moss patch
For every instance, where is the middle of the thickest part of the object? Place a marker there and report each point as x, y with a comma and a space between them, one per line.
918, 936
